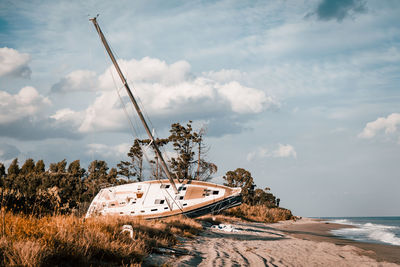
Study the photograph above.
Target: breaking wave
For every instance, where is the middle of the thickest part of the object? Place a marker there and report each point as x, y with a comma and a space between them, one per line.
368, 232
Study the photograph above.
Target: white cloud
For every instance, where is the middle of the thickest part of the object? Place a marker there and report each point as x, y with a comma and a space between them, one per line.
282, 151
164, 90
14, 63
388, 125
245, 99
225, 75
79, 80
27, 103
105, 114
106, 151
68, 116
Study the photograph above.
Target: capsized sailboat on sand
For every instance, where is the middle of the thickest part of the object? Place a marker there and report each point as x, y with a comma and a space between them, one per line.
159, 198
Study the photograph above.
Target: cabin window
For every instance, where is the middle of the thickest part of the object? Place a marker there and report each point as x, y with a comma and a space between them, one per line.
159, 201
121, 212
133, 202
179, 197
142, 211
164, 186
132, 212
215, 192
153, 209
182, 188
184, 204
112, 204
165, 208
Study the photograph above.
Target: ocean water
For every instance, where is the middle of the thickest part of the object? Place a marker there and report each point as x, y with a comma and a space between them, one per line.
382, 230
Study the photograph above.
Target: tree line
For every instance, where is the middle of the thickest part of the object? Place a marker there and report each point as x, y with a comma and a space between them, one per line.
69, 188
31, 189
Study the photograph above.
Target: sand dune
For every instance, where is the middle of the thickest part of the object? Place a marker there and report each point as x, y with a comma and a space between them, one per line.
257, 244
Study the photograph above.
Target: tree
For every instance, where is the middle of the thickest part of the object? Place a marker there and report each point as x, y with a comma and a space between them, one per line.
2, 170
183, 140
243, 179
13, 169
40, 167
2, 176
155, 165
264, 197
186, 142
97, 177
74, 168
134, 167
204, 169
28, 167
59, 166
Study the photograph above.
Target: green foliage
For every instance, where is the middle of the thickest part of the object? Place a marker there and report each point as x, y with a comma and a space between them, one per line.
243, 179
189, 163
264, 197
2, 170
40, 167
13, 169
28, 167
33, 190
185, 142
251, 196
134, 167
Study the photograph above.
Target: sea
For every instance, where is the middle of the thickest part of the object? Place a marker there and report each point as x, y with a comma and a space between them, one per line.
381, 230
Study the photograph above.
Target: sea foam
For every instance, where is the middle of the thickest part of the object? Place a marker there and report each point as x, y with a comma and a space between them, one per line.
368, 232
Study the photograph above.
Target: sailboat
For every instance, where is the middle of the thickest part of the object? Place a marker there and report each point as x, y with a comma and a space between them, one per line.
164, 197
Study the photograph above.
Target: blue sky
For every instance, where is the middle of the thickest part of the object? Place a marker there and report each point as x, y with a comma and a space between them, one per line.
304, 94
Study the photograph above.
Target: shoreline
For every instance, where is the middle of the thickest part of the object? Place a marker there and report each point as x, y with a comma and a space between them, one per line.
318, 230
306, 242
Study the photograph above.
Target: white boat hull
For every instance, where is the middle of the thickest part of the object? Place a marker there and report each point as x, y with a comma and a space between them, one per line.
156, 199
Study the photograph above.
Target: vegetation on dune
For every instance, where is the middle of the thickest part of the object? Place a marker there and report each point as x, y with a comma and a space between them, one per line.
70, 241
33, 190
250, 194
259, 213
258, 204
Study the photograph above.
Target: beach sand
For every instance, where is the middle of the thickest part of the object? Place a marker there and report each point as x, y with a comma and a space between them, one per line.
306, 242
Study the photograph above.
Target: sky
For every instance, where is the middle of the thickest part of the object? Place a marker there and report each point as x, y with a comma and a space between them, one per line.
303, 94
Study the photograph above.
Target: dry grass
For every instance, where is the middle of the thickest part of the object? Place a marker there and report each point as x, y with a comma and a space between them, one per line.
71, 241
218, 219
259, 213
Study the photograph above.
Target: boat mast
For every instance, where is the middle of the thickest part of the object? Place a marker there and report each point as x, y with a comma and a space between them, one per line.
135, 104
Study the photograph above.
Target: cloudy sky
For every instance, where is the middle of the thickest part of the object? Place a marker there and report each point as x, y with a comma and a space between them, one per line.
303, 94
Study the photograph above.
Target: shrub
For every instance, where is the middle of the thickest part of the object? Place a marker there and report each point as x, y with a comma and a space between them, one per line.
259, 213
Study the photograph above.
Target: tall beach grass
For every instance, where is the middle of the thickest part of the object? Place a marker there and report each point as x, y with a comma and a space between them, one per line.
72, 241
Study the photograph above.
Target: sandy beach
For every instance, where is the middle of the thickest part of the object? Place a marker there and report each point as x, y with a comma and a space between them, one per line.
306, 242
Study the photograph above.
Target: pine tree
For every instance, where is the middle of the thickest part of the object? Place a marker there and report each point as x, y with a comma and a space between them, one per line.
28, 167
13, 169
40, 167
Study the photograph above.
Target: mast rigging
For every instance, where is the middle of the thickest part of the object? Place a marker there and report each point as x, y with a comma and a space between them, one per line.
135, 104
